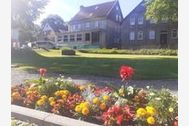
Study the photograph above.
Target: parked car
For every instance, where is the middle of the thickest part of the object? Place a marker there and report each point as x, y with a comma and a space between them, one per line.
44, 44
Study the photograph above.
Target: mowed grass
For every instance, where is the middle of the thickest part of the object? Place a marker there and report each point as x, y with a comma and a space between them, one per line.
107, 65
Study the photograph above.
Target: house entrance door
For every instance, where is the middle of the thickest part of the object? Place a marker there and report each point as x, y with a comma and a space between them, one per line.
163, 39
95, 37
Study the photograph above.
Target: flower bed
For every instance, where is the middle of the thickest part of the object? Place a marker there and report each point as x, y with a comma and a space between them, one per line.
110, 105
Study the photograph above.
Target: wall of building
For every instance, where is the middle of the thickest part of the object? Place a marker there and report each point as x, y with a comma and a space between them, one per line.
146, 27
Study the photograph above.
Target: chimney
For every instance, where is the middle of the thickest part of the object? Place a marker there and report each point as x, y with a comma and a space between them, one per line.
81, 7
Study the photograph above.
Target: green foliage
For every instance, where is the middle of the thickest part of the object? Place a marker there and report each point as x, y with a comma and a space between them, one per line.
47, 86
51, 19
169, 52
163, 100
68, 52
15, 122
25, 12
162, 10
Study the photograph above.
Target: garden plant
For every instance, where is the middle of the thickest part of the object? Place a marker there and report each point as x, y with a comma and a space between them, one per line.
110, 105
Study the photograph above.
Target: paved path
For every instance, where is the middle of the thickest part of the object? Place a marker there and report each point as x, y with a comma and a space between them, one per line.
18, 76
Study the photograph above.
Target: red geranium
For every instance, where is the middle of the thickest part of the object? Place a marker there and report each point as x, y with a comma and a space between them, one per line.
126, 72
117, 115
42, 71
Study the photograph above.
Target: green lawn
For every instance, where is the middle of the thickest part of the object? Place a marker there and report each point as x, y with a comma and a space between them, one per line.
146, 66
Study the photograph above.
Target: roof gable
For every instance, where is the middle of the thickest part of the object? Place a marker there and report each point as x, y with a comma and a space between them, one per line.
94, 11
55, 27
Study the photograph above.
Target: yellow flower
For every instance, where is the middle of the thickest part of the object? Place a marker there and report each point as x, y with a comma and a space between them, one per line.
151, 120
52, 103
66, 92
96, 101
86, 104
141, 112
121, 91
102, 106
82, 87
57, 93
78, 108
85, 111
64, 96
170, 109
106, 97
16, 95
44, 97
150, 110
51, 99
40, 102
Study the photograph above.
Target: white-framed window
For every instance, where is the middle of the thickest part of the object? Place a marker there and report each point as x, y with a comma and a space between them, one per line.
117, 17
132, 35
96, 24
59, 38
73, 27
152, 34
87, 25
174, 33
87, 36
132, 20
65, 38
79, 26
79, 37
140, 35
140, 20
72, 38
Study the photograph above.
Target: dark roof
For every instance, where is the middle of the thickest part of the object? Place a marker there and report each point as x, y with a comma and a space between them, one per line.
94, 11
57, 27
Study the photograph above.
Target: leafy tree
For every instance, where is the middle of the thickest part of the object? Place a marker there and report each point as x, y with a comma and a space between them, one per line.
29, 34
162, 10
25, 12
54, 20
23, 15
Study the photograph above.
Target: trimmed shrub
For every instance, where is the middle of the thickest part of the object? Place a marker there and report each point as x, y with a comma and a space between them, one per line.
68, 52
168, 52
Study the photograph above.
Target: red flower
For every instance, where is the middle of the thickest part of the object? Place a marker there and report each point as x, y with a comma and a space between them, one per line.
119, 119
176, 122
126, 72
42, 71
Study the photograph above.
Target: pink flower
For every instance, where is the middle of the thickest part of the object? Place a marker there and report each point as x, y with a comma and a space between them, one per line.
42, 71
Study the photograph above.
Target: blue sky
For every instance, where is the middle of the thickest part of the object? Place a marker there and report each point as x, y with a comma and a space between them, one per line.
68, 8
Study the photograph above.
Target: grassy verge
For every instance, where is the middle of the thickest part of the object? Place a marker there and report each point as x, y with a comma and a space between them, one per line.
146, 66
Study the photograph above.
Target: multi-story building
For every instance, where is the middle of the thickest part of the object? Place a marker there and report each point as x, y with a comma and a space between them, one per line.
97, 25
137, 32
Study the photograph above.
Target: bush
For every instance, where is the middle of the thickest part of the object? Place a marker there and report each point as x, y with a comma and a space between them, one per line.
169, 52
68, 52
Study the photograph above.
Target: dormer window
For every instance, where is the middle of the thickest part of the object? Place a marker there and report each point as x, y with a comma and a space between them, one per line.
140, 20
132, 20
